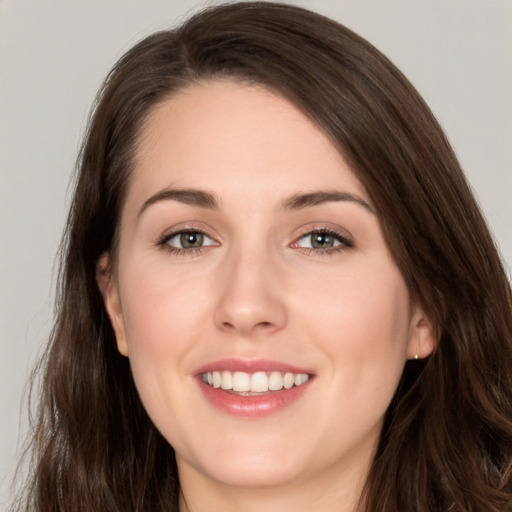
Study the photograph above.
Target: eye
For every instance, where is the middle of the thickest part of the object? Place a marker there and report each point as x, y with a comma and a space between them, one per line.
323, 240
187, 240
318, 240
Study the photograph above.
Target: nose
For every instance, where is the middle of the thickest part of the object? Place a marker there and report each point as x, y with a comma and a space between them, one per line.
251, 299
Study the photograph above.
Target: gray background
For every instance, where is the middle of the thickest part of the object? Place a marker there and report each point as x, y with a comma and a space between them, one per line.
54, 54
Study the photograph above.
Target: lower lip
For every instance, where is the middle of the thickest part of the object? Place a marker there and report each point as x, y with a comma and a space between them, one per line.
252, 406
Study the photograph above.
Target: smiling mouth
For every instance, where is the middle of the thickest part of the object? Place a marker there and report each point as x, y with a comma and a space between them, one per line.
251, 384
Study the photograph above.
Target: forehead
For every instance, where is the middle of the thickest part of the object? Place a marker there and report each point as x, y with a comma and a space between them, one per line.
234, 137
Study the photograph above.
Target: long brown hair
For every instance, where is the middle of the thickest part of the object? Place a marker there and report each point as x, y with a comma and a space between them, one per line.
447, 439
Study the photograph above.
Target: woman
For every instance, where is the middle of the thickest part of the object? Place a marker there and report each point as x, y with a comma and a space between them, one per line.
277, 290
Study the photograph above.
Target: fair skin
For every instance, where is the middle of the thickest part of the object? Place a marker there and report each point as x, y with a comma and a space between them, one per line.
283, 263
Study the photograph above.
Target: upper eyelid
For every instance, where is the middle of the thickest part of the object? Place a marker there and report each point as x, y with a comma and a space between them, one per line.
187, 228
322, 228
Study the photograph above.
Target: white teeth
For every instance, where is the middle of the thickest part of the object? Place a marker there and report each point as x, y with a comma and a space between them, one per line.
289, 379
241, 381
259, 382
275, 381
226, 380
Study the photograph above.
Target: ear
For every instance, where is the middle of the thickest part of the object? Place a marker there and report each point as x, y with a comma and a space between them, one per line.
109, 290
422, 339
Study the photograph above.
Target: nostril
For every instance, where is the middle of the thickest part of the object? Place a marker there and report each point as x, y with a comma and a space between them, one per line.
257, 326
227, 325
263, 325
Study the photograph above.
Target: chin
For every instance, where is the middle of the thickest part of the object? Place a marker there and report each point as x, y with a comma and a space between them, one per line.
264, 474
255, 463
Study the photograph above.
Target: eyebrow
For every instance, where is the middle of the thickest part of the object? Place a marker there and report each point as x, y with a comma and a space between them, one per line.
190, 196
203, 199
300, 201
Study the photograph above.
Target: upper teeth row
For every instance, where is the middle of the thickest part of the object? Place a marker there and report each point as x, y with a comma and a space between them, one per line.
258, 382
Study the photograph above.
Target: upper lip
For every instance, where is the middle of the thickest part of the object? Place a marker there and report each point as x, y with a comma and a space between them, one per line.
250, 366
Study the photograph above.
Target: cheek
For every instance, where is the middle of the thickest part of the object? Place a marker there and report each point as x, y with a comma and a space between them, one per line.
164, 326
159, 307
361, 320
161, 315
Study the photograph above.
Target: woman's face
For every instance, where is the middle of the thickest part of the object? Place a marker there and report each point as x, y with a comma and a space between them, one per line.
250, 256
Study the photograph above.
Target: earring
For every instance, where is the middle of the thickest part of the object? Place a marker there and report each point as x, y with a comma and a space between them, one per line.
416, 357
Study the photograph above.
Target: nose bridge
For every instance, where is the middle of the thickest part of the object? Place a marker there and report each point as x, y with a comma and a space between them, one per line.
251, 297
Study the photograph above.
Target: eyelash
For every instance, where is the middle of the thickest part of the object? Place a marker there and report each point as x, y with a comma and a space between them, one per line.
345, 242
179, 251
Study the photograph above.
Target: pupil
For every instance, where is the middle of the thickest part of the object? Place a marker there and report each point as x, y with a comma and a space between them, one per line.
321, 240
191, 240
